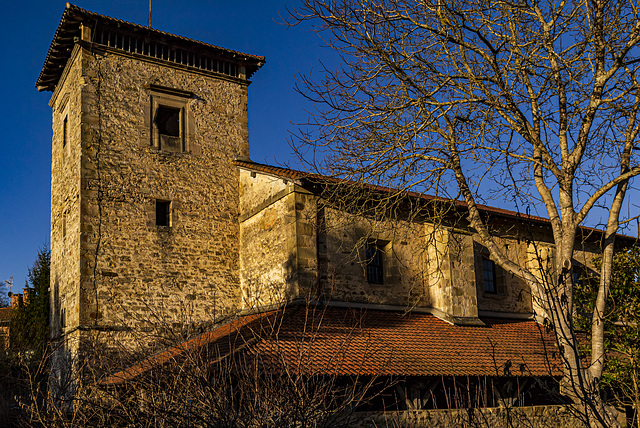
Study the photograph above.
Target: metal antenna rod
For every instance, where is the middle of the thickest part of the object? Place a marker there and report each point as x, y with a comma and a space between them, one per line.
9, 282
149, 18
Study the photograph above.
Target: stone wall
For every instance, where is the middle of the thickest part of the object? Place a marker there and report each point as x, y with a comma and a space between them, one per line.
513, 293
117, 268
268, 256
278, 240
258, 190
289, 238
66, 104
343, 247
517, 417
529, 245
452, 282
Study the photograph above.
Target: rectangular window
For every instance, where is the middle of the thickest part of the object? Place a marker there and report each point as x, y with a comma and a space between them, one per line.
577, 277
169, 119
163, 213
168, 124
375, 267
489, 276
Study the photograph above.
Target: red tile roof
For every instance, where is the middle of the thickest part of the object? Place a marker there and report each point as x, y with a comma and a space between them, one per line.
374, 342
345, 342
318, 178
212, 338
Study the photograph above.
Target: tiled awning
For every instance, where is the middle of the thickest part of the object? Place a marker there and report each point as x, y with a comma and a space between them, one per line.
348, 342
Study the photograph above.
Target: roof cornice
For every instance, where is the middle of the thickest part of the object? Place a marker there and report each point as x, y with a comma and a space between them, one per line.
495, 212
79, 24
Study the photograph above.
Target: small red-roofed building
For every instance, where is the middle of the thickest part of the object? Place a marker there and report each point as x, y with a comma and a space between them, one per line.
6, 314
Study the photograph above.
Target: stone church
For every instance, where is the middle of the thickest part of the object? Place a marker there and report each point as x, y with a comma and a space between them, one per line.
157, 212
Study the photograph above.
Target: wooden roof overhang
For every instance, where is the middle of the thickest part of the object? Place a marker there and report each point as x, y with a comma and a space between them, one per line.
68, 34
319, 183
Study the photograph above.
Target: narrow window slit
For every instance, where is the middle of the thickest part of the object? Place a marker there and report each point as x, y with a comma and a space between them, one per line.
163, 213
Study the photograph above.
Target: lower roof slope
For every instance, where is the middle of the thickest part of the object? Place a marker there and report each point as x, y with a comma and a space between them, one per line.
374, 342
348, 342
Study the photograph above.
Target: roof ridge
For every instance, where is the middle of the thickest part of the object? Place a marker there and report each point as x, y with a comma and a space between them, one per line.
301, 174
295, 174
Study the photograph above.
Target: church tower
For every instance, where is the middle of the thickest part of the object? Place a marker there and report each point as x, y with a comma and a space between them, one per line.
144, 191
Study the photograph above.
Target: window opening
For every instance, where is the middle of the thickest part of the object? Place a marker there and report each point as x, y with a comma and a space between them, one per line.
163, 213
489, 276
168, 121
577, 278
65, 134
375, 268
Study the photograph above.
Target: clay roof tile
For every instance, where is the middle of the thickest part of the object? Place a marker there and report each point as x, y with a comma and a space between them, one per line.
318, 178
344, 342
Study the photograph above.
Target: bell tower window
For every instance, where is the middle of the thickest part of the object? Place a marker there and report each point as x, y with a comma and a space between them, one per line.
168, 124
169, 119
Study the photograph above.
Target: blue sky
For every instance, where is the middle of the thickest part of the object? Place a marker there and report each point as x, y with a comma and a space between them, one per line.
253, 27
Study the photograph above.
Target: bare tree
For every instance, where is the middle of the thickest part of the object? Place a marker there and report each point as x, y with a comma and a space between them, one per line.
534, 101
210, 380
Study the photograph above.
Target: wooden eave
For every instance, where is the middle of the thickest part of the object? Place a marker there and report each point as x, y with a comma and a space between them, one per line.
68, 32
317, 183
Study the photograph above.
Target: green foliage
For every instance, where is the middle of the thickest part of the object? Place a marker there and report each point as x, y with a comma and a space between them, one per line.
622, 324
30, 323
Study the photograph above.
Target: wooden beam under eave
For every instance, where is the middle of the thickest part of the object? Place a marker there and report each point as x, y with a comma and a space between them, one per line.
85, 33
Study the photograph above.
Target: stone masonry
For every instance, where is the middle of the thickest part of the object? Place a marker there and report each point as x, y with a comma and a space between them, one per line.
161, 224
296, 246
115, 266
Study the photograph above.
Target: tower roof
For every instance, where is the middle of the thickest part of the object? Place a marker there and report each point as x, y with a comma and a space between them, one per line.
137, 40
